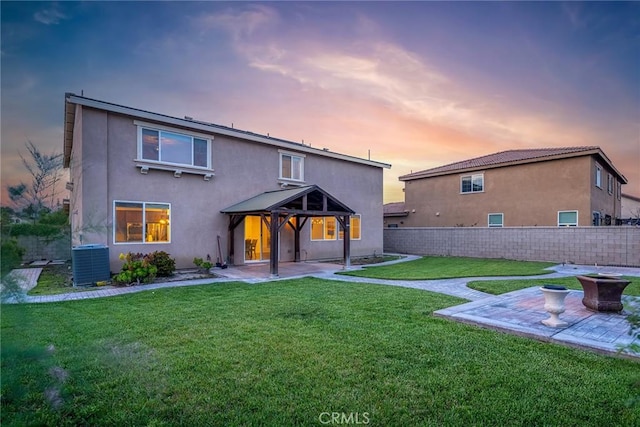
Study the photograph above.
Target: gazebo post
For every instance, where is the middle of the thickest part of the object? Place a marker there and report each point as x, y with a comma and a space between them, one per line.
296, 240
347, 241
273, 229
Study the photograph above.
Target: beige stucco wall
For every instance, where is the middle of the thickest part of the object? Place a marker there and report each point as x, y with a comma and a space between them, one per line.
601, 200
630, 207
242, 169
528, 195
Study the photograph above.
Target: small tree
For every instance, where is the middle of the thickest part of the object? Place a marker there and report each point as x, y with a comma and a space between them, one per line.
46, 173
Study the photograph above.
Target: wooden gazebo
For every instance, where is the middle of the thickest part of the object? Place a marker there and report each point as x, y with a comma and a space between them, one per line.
278, 208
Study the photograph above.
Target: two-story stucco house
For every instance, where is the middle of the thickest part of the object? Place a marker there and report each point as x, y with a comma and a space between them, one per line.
575, 186
142, 181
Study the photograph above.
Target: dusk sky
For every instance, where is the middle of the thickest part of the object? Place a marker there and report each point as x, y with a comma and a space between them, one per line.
416, 84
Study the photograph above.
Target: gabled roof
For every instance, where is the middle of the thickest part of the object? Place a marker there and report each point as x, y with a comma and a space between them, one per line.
317, 201
511, 158
188, 123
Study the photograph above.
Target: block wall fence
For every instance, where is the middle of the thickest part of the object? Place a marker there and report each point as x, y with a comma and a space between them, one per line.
615, 246
39, 248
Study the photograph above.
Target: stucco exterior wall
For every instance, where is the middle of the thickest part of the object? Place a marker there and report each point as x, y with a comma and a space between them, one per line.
527, 195
603, 201
242, 169
630, 207
580, 245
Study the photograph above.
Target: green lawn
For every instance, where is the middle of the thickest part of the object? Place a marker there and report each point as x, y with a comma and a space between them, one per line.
498, 287
285, 352
428, 268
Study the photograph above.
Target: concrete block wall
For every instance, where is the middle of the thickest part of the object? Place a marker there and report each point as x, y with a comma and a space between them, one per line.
580, 245
37, 248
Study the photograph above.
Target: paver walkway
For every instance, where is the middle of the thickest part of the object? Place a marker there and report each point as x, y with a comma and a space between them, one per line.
519, 312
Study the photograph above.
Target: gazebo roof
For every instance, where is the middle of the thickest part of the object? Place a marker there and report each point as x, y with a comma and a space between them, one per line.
309, 200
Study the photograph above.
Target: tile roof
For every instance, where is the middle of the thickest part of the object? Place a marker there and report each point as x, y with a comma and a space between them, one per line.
393, 208
509, 157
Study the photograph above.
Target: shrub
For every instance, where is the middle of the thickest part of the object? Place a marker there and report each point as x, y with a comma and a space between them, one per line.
11, 255
163, 261
201, 264
137, 268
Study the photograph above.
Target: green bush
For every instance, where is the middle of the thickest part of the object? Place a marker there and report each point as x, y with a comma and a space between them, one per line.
10, 255
137, 269
200, 263
163, 261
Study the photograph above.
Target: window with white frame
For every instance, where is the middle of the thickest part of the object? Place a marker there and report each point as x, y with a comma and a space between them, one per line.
354, 226
163, 145
141, 222
472, 183
610, 183
323, 228
619, 187
598, 176
495, 220
291, 166
567, 218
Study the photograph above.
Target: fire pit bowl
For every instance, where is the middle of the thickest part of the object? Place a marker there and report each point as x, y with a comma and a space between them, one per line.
603, 293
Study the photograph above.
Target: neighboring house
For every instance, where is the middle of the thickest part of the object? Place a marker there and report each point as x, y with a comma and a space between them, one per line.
574, 186
630, 210
394, 214
142, 181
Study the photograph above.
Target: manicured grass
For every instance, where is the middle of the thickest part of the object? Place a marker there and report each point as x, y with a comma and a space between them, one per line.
497, 287
452, 267
284, 352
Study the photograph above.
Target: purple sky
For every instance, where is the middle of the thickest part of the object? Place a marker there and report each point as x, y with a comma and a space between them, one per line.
416, 84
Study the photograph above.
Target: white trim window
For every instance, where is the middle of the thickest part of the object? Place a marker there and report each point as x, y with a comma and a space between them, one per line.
495, 220
354, 226
619, 189
167, 146
323, 228
472, 183
141, 222
567, 218
291, 166
598, 176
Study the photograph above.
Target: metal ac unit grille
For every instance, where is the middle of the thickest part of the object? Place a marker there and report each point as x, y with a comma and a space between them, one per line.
90, 264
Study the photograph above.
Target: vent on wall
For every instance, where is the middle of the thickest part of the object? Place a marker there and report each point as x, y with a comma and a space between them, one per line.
90, 264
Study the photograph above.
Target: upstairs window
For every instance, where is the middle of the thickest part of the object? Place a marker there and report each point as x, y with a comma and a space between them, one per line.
291, 166
598, 176
472, 184
610, 183
165, 146
619, 187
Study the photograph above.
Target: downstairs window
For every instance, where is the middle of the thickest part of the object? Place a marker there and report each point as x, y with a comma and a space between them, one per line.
141, 222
